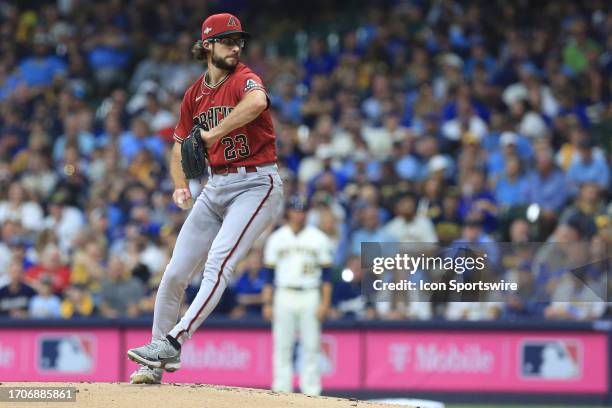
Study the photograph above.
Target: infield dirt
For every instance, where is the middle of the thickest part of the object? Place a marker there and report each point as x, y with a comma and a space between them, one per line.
108, 395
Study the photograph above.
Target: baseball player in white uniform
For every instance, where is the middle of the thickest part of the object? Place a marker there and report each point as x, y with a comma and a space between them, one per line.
298, 259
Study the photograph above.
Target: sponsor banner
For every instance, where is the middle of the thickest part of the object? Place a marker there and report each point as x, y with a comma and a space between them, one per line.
244, 358
340, 363
485, 361
342, 360
59, 355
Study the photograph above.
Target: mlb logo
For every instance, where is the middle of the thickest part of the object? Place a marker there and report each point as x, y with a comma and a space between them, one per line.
70, 353
551, 360
328, 355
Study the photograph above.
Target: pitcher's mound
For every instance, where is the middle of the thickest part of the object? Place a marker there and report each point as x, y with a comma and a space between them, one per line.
110, 395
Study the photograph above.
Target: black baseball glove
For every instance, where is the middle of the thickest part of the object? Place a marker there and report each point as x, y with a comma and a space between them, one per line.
194, 154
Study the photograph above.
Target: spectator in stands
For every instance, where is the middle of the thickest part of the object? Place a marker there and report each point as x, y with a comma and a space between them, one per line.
50, 266
112, 133
348, 299
585, 210
569, 152
335, 231
587, 168
527, 300
579, 293
319, 61
474, 235
511, 187
45, 304
88, 267
15, 297
66, 220
78, 302
19, 252
74, 135
120, 293
519, 230
17, 206
477, 202
369, 230
154, 67
249, 285
286, 101
448, 222
41, 68
139, 137
430, 203
408, 225
510, 145
546, 187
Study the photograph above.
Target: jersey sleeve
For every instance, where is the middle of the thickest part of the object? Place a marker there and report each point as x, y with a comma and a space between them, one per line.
270, 253
185, 120
326, 255
249, 82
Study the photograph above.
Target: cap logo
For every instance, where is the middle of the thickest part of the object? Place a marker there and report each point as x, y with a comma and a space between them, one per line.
207, 30
232, 22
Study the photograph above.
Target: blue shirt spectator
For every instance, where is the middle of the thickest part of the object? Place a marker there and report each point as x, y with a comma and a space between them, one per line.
511, 188
288, 104
588, 169
318, 60
250, 283
511, 192
10, 83
40, 71
408, 167
479, 202
85, 141
509, 144
45, 306
546, 185
101, 57
138, 138
370, 230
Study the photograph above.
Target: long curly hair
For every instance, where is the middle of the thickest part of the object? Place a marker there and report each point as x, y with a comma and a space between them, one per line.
198, 51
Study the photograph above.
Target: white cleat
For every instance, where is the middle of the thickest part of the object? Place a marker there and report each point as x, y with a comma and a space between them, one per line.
146, 375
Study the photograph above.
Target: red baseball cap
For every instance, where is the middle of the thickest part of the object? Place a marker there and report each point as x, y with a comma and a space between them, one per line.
222, 25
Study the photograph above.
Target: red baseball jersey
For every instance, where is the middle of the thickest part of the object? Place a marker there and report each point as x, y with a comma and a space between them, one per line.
251, 144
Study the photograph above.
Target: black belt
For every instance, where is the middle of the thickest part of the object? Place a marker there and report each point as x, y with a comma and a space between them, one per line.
298, 288
227, 169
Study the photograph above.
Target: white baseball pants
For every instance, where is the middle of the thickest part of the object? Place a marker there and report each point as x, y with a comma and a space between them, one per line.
296, 311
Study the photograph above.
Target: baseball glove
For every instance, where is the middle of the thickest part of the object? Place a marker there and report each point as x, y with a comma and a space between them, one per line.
193, 154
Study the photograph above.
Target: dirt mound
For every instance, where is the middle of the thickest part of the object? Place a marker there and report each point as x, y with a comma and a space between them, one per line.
107, 395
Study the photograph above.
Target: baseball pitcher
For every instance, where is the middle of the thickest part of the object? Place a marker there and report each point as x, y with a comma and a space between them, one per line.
224, 117
298, 258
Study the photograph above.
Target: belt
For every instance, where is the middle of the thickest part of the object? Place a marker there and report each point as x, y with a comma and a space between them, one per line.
227, 169
298, 288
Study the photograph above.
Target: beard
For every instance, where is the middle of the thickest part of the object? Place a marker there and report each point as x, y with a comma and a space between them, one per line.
222, 64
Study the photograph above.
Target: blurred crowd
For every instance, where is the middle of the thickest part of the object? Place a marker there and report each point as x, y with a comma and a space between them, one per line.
414, 121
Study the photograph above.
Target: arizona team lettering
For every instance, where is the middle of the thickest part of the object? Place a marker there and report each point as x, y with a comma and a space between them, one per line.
213, 116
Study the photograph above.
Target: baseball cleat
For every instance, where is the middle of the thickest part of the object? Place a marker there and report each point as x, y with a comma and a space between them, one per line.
157, 354
146, 375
